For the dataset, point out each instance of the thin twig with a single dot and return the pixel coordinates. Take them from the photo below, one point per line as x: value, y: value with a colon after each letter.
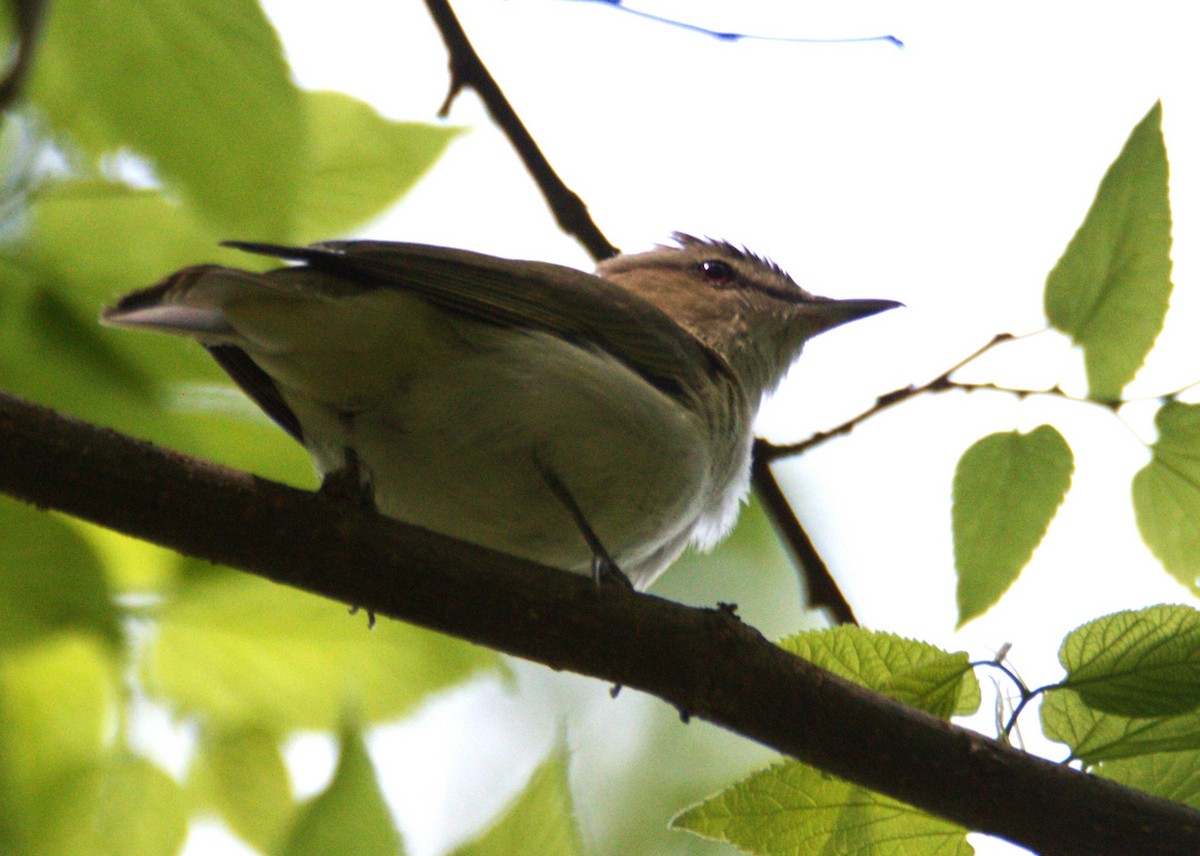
x: 819, y: 583
x: 28, y: 16
x: 941, y: 383
x: 822, y: 589
x: 468, y: 70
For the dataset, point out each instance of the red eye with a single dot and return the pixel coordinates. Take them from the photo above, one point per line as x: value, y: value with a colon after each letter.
x: 716, y: 271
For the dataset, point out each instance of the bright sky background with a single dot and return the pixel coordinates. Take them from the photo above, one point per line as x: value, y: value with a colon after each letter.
x: 949, y: 175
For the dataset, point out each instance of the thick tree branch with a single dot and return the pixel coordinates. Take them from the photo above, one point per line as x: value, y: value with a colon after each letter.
x: 704, y: 662
x: 468, y: 70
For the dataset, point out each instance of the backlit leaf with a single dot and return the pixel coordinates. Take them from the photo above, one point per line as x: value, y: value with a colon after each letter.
x: 1109, y: 291
x: 1166, y: 493
x: 1137, y: 663
x: 1007, y: 488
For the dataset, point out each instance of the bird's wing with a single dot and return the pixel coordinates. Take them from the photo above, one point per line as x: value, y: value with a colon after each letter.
x: 583, y: 309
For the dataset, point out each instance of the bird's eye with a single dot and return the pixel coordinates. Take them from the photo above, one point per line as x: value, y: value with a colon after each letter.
x: 716, y: 271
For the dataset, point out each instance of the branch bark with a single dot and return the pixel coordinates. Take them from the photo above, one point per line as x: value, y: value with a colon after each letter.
x: 705, y: 662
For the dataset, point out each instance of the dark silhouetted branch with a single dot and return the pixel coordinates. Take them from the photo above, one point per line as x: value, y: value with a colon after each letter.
x: 468, y: 70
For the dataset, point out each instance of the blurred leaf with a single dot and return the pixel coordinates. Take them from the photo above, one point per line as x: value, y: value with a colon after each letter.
x: 90, y: 242
x: 360, y: 163
x: 51, y: 581
x: 792, y: 808
x: 1109, y: 291
x: 1171, y: 775
x: 242, y: 776
x: 1007, y: 488
x: 1096, y: 736
x: 915, y: 673
x: 540, y: 822
x: 247, y: 652
x: 131, y: 566
x: 200, y: 88
x: 126, y: 807
x: 1136, y: 663
x: 56, y: 705
x: 100, y: 239
x: 350, y: 816
x: 80, y: 341
x: 1166, y: 493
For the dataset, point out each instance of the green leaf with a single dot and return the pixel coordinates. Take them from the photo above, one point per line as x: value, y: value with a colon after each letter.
x: 945, y: 686
x: 791, y: 808
x: 126, y: 807
x: 51, y: 351
x: 1095, y: 736
x: 100, y: 239
x: 1171, y: 775
x: 1136, y: 663
x: 350, y: 816
x: 360, y: 163
x: 1166, y: 493
x: 540, y: 822
x: 51, y: 580
x: 246, y: 652
x: 913, y: 672
x: 200, y: 88
x: 1007, y: 488
x: 1109, y: 291
x: 57, y: 699
x: 90, y: 241
x: 242, y: 776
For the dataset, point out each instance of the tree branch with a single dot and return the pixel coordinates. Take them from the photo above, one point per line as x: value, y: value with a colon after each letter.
x: 822, y: 590
x: 468, y: 70
x: 28, y: 16
x: 706, y: 663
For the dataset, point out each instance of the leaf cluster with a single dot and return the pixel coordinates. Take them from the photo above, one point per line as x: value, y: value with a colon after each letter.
x: 149, y: 132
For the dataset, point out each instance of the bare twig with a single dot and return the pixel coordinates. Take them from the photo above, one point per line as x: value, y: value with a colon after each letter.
x: 468, y: 70
x: 704, y: 662
x: 941, y: 383
x: 28, y: 16
x: 822, y: 589
x: 819, y: 583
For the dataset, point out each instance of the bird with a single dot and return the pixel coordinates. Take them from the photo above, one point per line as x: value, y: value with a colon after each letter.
x: 597, y: 423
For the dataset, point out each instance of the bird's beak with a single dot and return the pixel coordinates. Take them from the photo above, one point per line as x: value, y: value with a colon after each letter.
x: 825, y: 314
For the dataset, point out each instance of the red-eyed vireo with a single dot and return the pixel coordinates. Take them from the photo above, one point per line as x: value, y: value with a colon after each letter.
x: 569, y: 418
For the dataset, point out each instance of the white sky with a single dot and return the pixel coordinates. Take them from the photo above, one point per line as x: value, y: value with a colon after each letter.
x: 948, y: 175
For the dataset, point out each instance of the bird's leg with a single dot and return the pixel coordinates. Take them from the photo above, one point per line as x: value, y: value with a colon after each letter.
x: 349, y: 484
x: 604, y: 569
x: 352, y: 483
